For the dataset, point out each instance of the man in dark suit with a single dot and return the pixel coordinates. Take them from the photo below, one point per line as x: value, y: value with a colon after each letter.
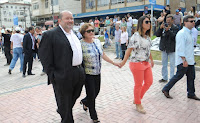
x: 61, y: 56
x: 29, y: 47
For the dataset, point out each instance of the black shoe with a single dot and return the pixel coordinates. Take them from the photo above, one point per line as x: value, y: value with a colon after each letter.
x: 23, y: 76
x: 9, y: 71
x: 6, y: 64
x: 162, y: 80
x: 194, y: 97
x: 96, y: 121
x: 84, y: 107
x: 31, y: 74
x: 117, y: 58
x: 167, y: 94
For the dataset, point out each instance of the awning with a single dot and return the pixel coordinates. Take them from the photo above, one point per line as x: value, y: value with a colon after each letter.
x: 48, y: 23
x: 118, y: 11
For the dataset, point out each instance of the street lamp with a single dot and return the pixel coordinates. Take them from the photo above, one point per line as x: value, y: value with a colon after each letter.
x: 24, y: 16
x: 52, y: 11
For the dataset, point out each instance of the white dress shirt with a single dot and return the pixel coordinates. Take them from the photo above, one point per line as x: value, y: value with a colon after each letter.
x: 76, y: 47
x: 33, y: 41
x: 130, y: 21
x: 124, y: 37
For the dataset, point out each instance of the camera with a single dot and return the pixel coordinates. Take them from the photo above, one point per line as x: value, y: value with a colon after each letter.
x: 166, y: 24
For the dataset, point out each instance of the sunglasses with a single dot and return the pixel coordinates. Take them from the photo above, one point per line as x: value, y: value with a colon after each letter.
x: 90, y: 30
x: 192, y: 21
x: 147, y: 22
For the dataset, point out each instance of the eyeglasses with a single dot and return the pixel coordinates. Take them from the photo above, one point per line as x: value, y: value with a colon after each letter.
x: 192, y: 21
x: 90, y: 30
x: 147, y: 22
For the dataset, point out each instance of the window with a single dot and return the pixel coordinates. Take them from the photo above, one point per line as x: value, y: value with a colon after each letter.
x: 11, y: 7
x: 183, y: 1
x: 55, y: 2
x: 46, y: 3
x: 15, y: 7
x: 129, y: 1
x: 90, y: 4
x: 35, y: 6
x: 21, y: 13
x: 103, y: 2
x: 20, y: 7
x: 4, y: 12
x: 6, y: 6
x: 198, y: 7
x: 117, y: 1
x: 9, y: 13
x: 5, y: 19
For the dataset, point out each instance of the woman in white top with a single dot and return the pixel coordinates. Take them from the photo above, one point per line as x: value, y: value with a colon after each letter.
x: 192, y: 11
x: 118, y: 21
x: 124, y: 40
x: 139, y: 45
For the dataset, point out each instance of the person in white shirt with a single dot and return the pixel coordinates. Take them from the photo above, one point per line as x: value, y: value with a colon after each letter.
x: 123, y: 40
x: 181, y: 13
x: 17, y: 50
x: 61, y: 55
x: 118, y: 21
x: 129, y: 24
x: 81, y: 23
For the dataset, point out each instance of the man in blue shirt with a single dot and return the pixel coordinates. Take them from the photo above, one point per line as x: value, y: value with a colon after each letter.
x: 184, y: 59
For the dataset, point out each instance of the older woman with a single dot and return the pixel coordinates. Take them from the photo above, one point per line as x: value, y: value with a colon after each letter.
x: 139, y: 45
x: 92, y: 57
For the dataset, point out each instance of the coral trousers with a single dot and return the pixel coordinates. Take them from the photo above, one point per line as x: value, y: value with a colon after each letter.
x: 143, y: 78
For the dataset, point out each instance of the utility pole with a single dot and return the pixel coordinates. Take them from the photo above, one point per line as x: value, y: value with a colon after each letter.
x: 52, y: 11
x: 24, y: 16
x: 0, y: 16
x: 30, y: 14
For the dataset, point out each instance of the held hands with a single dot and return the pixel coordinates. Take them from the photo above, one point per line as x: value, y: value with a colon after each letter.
x: 116, y: 64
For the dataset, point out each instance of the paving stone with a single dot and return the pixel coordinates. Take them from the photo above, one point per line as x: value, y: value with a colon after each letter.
x: 31, y: 100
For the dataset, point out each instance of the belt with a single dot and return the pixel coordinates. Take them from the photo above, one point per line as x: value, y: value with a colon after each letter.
x: 78, y: 66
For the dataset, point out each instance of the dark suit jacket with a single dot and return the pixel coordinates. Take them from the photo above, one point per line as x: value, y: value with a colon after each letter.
x: 27, y: 44
x: 55, y: 53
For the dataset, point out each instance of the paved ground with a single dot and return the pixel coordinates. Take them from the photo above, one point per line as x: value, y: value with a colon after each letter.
x: 30, y: 100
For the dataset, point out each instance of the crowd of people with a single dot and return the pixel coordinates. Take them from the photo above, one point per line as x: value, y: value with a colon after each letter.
x: 71, y: 61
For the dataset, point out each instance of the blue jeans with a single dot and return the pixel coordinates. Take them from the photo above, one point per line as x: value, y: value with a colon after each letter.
x: 179, y: 26
x: 181, y: 71
x: 165, y: 64
x: 118, y: 50
x: 129, y: 29
x: 107, y: 43
x: 17, y: 53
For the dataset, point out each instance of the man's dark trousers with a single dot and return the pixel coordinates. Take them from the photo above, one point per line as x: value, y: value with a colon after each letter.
x: 8, y: 54
x: 28, y: 58
x: 64, y: 102
x: 181, y: 71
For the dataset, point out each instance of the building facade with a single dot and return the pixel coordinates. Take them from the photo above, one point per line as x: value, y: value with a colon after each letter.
x: 45, y: 10
x: 92, y: 8
x: 9, y: 10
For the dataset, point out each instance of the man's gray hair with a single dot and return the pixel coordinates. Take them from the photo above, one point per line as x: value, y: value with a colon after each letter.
x: 61, y: 13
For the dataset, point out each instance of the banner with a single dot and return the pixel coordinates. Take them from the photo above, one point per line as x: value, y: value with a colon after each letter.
x: 15, y: 20
x: 153, y: 2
